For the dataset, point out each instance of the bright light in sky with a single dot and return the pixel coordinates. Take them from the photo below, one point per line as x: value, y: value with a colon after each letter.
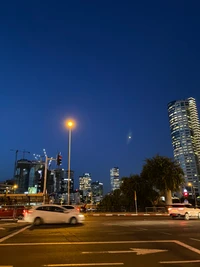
x: 129, y: 137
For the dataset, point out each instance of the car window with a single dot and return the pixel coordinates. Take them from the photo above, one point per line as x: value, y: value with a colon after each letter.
x: 69, y: 207
x: 56, y: 209
x: 44, y: 208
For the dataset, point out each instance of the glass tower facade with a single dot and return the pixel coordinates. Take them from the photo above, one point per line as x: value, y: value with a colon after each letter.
x: 185, y: 134
x: 114, y: 178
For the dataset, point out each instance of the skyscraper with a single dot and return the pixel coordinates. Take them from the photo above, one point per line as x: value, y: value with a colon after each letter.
x: 85, y: 182
x: 97, y: 191
x: 185, y: 134
x: 114, y: 178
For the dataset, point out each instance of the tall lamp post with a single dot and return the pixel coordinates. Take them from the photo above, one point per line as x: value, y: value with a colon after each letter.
x: 69, y: 124
x: 193, y: 193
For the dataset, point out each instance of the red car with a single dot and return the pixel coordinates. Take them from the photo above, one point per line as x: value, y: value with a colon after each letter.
x: 11, y: 212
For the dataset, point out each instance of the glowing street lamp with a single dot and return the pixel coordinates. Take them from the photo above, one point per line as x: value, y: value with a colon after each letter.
x: 69, y: 125
x: 15, y: 186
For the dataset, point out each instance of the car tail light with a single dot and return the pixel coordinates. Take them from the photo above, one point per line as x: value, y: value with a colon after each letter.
x: 78, y: 209
x: 25, y: 212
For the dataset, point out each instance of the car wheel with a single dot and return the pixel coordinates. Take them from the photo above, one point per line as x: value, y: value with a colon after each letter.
x: 37, y: 221
x: 173, y: 217
x: 199, y: 215
x: 73, y: 221
x: 187, y: 217
x: 20, y: 217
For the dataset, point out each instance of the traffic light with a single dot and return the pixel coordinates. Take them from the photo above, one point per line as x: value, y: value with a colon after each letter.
x: 185, y: 194
x: 59, y: 160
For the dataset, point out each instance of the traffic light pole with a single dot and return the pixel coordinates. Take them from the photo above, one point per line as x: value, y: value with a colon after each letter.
x: 45, y: 177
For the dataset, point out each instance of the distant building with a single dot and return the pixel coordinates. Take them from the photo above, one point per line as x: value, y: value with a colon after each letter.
x: 29, y: 174
x: 85, y: 182
x: 61, y: 181
x: 29, y: 177
x: 114, y: 178
x: 85, y: 187
x: 185, y: 134
x: 6, y: 188
x: 97, y: 191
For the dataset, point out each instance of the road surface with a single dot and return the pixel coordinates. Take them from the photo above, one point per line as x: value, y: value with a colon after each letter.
x: 105, y: 241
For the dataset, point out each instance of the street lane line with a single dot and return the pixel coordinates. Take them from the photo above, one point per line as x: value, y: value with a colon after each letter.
x: 179, y: 262
x: 86, y: 264
x: 195, y: 239
x: 138, y: 251
x: 13, y: 234
x: 143, y: 229
x: 165, y: 233
x: 187, y: 246
x: 1, y: 228
x: 88, y: 243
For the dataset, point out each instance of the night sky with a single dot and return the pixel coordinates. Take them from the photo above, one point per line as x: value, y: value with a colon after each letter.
x: 111, y: 65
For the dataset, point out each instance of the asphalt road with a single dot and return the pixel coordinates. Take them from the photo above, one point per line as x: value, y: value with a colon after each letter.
x: 105, y: 241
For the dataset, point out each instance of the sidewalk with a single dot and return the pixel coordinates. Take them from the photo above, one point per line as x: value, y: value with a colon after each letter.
x: 125, y: 214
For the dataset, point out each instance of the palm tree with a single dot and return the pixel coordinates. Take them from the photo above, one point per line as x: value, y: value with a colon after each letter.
x: 164, y: 174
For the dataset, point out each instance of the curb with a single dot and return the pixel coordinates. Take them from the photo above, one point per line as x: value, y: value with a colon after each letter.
x: 126, y: 214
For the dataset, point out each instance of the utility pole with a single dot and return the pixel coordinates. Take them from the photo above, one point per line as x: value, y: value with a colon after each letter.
x: 135, y: 198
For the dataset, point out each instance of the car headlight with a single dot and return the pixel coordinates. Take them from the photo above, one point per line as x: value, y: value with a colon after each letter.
x: 81, y: 215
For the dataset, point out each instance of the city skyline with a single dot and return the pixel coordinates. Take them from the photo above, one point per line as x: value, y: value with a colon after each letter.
x: 114, y: 76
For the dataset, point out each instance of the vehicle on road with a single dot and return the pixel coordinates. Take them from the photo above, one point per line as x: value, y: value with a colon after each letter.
x: 186, y: 211
x: 52, y: 214
x: 71, y: 208
x: 11, y: 212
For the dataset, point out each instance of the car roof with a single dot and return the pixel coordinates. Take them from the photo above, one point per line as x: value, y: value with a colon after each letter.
x: 47, y: 205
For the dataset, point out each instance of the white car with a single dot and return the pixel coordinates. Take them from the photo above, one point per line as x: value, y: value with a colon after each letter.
x: 52, y: 214
x: 71, y: 208
x: 186, y: 211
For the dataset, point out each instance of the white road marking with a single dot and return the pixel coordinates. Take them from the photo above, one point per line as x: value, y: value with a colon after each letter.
x: 144, y: 251
x: 143, y: 229
x: 107, y: 252
x: 13, y: 234
x: 165, y: 233
x: 179, y: 262
x: 1, y: 228
x: 138, y: 251
x: 88, y: 243
x: 187, y: 246
x: 86, y: 264
x: 195, y: 250
x: 195, y: 239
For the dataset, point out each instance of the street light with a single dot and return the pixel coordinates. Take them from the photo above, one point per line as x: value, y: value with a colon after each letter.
x: 69, y: 124
x: 15, y: 186
x: 193, y: 193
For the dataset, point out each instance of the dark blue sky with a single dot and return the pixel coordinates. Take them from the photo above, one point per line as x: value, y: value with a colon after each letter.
x: 112, y: 65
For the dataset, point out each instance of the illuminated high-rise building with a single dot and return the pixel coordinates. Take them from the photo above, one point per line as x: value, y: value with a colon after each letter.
x: 85, y: 187
x: 114, y: 178
x: 185, y: 134
x: 85, y: 182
